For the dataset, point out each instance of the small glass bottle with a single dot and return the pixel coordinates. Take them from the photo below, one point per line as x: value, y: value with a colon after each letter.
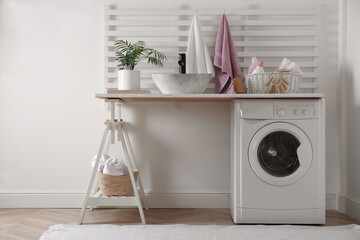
x: 182, y: 63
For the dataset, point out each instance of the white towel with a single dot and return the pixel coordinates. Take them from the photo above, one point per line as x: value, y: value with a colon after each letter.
x: 102, y: 161
x: 115, y: 166
x: 284, y: 63
x: 295, y: 68
x: 197, y: 55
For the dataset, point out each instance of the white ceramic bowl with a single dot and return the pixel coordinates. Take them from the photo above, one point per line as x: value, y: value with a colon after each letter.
x: 172, y: 83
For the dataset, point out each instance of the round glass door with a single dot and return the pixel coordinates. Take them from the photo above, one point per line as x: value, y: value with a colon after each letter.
x: 277, y: 153
x: 280, y: 153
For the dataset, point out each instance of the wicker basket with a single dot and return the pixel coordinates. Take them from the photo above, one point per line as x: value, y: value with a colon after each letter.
x: 256, y: 82
x: 116, y: 185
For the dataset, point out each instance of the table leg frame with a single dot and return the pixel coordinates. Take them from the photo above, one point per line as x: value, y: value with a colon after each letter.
x: 91, y: 201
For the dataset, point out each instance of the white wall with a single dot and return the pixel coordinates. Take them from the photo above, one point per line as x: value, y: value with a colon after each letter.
x: 350, y: 164
x: 51, y: 64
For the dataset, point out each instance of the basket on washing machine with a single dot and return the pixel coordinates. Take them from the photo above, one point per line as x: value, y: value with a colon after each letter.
x: 264, y: 82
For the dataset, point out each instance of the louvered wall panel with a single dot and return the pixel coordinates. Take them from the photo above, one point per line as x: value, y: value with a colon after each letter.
x: 268, y: 34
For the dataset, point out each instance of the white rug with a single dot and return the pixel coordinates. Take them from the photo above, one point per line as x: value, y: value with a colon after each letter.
x: 184, y: 232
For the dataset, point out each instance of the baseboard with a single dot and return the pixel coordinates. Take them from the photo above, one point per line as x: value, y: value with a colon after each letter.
x: 191, y: 200
x: 330, y: 201
x: 155, y: 200
x: 350, y: 206
x: 40, y: 200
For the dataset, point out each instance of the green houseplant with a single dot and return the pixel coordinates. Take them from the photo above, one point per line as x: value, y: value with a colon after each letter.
x: 129, y: 55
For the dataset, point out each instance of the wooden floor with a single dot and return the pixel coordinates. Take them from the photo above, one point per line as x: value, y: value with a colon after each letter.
x: 28, y: 224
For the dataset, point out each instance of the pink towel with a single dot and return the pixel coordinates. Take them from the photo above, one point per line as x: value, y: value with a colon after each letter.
x: 226, y: 62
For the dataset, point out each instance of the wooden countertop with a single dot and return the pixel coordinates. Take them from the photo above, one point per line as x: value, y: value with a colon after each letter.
x: 200, y: 97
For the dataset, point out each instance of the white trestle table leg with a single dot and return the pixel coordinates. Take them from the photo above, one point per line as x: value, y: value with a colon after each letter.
x: 133, y: 181
x: 98, y: 200
x: 106, y: 151
x: 93, y: 175
x: 132, y: 157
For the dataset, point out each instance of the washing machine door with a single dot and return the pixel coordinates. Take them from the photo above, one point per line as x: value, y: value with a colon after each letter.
x: 280, y: 153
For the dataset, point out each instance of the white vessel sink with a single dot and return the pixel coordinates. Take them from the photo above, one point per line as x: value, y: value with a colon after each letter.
x: 172, y: 83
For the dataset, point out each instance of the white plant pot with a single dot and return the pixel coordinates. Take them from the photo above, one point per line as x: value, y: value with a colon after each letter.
x: 128, y: 80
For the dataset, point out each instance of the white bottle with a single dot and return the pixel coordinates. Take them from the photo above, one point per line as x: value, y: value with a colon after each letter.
x: 259, y: 68
x: 253, y: 64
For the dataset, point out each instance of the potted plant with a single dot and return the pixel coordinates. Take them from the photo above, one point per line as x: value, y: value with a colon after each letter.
x: 129, y: 55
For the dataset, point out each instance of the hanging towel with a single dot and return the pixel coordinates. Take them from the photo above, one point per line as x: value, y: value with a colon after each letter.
x: 115, y: 166
x: 197, y: 55
x: 226, y: 62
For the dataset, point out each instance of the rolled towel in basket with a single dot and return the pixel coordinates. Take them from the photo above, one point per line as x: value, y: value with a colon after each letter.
x: 284, y: 63
x: 292, y: 66
x: 102, y: 161
x: 295, y: 68
x: 115, y: 166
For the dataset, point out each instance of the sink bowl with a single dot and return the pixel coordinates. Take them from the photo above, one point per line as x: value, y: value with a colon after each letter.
x: 172, y: 83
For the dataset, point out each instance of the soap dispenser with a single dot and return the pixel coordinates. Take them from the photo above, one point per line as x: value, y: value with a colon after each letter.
x: 182, y: 63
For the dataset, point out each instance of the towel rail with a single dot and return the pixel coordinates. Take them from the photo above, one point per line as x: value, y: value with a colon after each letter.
x: 269, y: 34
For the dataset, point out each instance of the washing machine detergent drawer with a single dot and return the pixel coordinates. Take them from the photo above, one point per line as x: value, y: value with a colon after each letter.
x: 279, y: 109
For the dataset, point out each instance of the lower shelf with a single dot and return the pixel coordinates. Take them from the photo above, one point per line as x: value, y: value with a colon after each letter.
x: 112, y: 201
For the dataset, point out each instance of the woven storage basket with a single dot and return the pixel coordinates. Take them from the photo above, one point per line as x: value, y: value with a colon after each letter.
x: 256, y: 82
x: 116, y: 185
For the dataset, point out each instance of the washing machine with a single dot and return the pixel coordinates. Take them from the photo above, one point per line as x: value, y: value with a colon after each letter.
x: 278, y: 161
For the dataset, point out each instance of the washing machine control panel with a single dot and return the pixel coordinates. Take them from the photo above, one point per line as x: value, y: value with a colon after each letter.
x: 295, y: 109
